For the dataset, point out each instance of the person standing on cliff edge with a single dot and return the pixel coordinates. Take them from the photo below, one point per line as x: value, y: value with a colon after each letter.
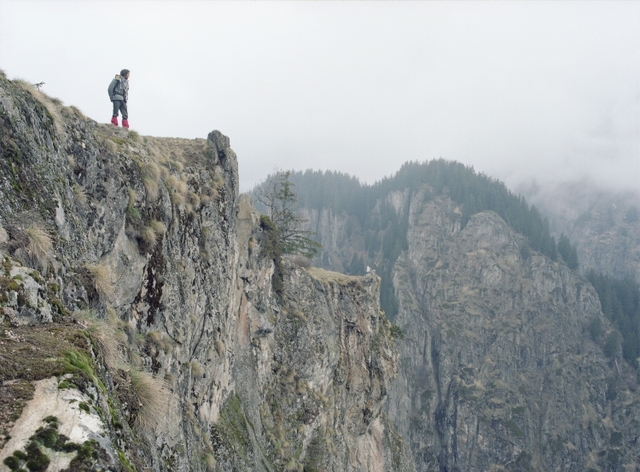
x: 119, y: 94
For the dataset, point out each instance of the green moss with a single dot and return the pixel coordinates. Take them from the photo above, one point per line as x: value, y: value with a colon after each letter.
x: 230, y: 435
x: 46, y: 436
x: 84, y: 406
x: 125, y: 462
x: 79, y: 362
x: 7, y: 284
x: 86, y: 452
x: 12, y: 462
x: 133, y: 213
x: 37, y: 460
x: 57, y: 304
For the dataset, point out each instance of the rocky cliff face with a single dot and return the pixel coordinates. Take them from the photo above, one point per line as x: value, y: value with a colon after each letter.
x: 143, y: 302
x: 497, y: 369
x: 603, y: 225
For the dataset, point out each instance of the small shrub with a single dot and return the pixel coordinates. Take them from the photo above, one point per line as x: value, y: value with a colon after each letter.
x: 396, y: 332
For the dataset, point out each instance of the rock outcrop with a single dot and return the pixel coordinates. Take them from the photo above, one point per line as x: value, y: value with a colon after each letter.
x: 499, y: 368
x: 134, y: 275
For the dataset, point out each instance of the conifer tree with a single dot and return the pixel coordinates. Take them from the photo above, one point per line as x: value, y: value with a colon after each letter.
x: 280, y: 200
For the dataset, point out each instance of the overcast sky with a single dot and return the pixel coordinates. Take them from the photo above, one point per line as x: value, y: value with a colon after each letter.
x: 520, y: 90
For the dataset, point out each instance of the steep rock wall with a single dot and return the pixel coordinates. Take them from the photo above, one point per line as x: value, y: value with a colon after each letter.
x: 156, y: 290
x: 499, y: 368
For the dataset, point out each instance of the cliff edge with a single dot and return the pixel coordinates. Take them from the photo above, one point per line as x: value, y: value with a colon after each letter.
x: 141, y: 325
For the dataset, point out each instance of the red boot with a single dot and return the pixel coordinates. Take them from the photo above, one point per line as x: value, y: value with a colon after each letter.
x: 114, y: 121
x: 125, y: 124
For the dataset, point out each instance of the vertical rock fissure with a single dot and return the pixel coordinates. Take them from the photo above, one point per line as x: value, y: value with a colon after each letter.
x: 440, y: 412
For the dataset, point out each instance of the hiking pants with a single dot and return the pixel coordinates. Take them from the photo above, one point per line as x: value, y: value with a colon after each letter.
x: 120, y: 106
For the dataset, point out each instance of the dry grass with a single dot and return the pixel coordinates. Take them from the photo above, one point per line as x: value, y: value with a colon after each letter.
x: 178, y: 198
x: 80, y: 195
x: 152, y: 397
x: 300, y: 261
x: 148, y: 235
x: 134, y: 136
x: 210, y: 462
x: 53, y: 105
x: 152, y: 188
x: 33, y: 246
x: 40, y: 248
x: 158, y: 227
x: 194, y: 200
x: 151, y: 177
x: 329, y: 276
x: 152, y: 232
x: 176, y: 184
x: 104, y: 332
x: 103, y: 279
x: 196, y: 369
x: 218, y: 181
x: 76, y: 111
x: 158, y: 340
x: 133, y: 197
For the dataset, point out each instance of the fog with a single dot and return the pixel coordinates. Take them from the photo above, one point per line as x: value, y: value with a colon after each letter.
x: 523, y: 91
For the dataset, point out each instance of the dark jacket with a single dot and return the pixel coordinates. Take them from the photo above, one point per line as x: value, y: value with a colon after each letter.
x: 119, y: 89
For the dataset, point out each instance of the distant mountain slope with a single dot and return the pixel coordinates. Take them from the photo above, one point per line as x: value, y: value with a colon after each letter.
x: 604, y: 225
x: 508, y: 362
x: 380, y: 226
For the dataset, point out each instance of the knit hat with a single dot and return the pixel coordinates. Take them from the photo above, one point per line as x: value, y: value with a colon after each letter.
x: 124, y: 72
